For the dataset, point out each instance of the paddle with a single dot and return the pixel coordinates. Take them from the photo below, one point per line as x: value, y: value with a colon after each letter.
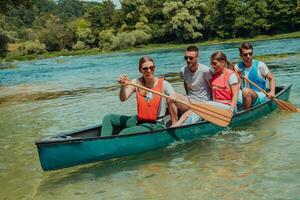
x: 283, y: 105
x: 208, y: 112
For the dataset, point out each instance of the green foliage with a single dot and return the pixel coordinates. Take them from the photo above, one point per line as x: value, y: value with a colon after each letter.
x: 86, y: 36
x: 182, y: 19
x: 28, y: 34
x: 32, y: 47
x: 79, y: 45
x: 5, y: 36
x: 76, y: 24
x: 101, y: 16
x: 70, y: 9
x: 6, y: 4
x: 3, y: 43
x: 134, y: 11
x: 82, y: 24
x: 141, y: 37
x: 156, y: 21
x: 57, y: 36
x: 106, y: 39
x: 123, y: 40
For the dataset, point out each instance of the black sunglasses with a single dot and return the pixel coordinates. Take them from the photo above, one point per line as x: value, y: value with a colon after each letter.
x: 145, y: 69
x: 246, y: 54
x: 189, y: 57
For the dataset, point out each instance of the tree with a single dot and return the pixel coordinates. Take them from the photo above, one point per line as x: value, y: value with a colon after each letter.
x: 101, y: 16
x: 86, y: 36
x: 182, y: 21
x: 4, y: 36
x: 70, y: 9
x: 106, y: 39
x: 133, y: 12
x: 52, y: 35
x: 156, y: 21
x: 283, y: 15
x: 5, y: 4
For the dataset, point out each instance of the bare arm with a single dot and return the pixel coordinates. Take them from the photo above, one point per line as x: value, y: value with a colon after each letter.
x: 185, y: 88
x: 126, y: 90
x: 173, y: 111
x: 272, y: 84
x: 235, y: 93
x: 184, y: 84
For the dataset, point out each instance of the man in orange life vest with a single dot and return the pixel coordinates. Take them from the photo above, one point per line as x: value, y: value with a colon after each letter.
x: 151, y: 108
x: 257, y: 72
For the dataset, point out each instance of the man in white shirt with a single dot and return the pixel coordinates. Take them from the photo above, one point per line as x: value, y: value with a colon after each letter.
x: 196, y: 78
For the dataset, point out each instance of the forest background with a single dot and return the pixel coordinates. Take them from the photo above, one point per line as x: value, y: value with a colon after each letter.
x: 29, y: 28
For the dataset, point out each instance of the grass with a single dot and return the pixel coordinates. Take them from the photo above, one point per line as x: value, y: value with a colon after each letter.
x: 147, y: 47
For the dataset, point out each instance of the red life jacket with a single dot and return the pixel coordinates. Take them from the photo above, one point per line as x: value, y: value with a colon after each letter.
x: 148, y: 106
x: 221, y: 90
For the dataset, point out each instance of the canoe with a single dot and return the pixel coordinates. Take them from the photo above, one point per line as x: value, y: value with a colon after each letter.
x: 86, y: 146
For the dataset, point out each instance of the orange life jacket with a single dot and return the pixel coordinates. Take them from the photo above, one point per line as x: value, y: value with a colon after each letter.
x: 148, y: 103
x: 221, y: 90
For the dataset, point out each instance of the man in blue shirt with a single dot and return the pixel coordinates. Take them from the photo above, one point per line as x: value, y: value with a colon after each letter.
x: 257, y: 72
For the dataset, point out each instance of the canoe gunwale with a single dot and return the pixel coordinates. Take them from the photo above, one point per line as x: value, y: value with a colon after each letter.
x: 67, y: 137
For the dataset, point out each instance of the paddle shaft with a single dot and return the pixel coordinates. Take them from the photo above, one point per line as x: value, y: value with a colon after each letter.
x: 210, y: 113
x: 255, y: 85
x: 283, y: 105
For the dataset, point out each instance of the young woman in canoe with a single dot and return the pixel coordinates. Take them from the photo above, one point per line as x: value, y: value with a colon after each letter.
x: 151, y: 108
x: 224, y: 87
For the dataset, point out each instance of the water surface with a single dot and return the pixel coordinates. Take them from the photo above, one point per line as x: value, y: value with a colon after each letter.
x: 45, y: 97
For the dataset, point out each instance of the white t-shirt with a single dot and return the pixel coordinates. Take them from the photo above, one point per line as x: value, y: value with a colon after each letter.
x: 197, y: 82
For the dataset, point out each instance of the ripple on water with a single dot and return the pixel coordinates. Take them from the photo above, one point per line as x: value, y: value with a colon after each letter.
x: 46, y: 97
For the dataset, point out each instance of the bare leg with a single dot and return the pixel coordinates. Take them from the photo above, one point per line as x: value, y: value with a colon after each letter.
x: 180, y: 106
x: 249, y: 96
x: 182, y: 118
x: 173, y: 111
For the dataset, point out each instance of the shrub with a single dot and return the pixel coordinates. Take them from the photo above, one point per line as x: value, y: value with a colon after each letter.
x: 32, y: 47
x: 141, y: 37
x: 123, y: 41
x: 106, y: 39
x: 79, y: 45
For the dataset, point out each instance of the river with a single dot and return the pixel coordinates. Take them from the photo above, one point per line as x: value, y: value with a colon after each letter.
x: 45, y: 97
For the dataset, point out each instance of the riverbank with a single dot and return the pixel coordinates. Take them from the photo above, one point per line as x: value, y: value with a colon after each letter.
x: 149, y: 47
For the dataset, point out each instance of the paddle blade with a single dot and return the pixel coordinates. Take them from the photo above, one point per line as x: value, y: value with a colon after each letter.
x: 213, y: 114
x: 286, y: 106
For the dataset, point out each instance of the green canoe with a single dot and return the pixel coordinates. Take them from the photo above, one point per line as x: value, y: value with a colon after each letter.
x: 86, y: 146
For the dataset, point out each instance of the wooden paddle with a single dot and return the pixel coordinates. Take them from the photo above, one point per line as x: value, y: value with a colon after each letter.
x: 283, y: 105
x: 208, y: 112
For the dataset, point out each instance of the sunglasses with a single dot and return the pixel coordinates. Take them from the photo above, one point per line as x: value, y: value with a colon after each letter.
x: 146, y: 69
x: 188, y: 57
x: 246, y: 54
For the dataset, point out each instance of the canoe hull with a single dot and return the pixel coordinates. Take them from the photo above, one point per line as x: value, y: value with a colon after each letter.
x: 81, y: 147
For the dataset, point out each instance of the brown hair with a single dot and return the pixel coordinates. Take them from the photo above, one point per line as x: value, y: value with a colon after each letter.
x: 145, y: 59
x: 220, y: 56
x: 193, y: 48
x: 245, y: 45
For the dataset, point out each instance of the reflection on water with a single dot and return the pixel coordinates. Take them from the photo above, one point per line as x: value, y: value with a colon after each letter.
x: 45, y: 97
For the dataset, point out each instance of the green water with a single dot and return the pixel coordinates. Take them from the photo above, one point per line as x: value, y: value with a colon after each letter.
x: 46, y: 97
